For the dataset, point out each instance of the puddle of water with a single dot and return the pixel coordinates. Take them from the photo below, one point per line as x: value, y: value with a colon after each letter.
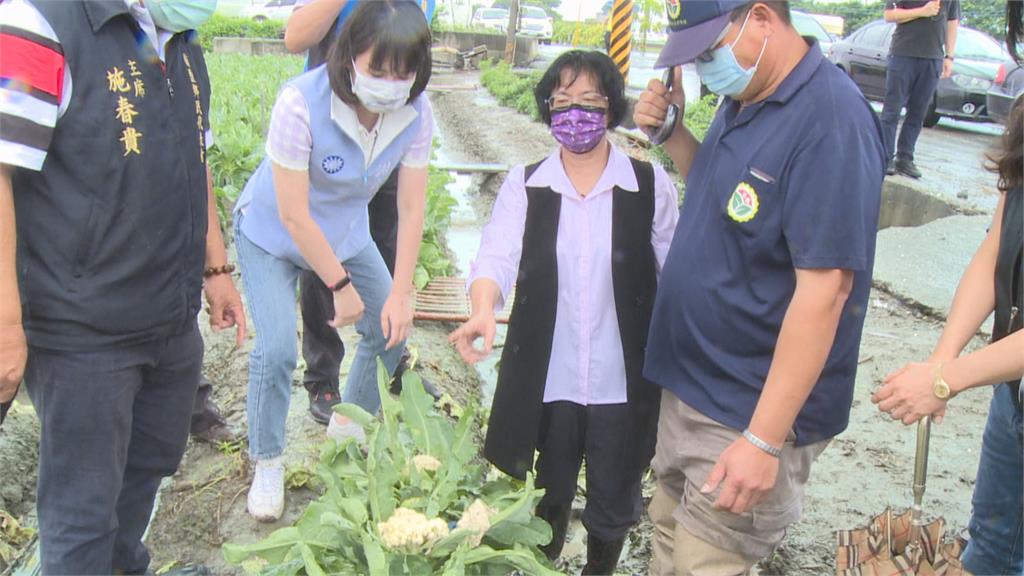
x: 463, y: 238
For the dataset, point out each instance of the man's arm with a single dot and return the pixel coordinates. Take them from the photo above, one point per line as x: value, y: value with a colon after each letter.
x: 903, y: 15
x: 310, y: 23
x: 746, y: 472
x: 952, y: 27
x: 225, y: 303
x: 13, y: 350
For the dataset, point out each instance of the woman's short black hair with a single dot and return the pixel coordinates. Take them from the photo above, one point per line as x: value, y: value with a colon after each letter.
x: 396, y: 31
x: 599, y: 66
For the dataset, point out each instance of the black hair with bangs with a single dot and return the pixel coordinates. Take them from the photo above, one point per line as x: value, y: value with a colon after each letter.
x: 599, y: 66
x: 396, y: 31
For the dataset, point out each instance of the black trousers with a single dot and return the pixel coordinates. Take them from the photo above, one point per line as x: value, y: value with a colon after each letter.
x: 114, y: 423
x: 322, y: 347
x: 909, y: 82
x: 571, y: 432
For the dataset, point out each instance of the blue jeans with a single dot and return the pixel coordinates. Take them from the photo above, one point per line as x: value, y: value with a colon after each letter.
x: 270, y: 287
x: 909, y: 82
x: 997, y: 542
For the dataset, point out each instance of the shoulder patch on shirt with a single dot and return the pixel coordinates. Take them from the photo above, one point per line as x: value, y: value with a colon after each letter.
x: 744, y: 203
x: 333, y: 164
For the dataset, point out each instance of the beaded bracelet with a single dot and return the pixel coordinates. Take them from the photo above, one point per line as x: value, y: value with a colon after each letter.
x: 218, y: 270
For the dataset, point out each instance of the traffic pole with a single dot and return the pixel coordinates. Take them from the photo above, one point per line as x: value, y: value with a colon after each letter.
x: 622, y: 35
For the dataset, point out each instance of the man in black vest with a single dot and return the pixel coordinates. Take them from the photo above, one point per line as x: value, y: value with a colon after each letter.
x: 107, y: 231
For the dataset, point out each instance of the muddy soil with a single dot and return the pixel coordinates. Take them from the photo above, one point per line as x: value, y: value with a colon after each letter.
x: 865, y: 469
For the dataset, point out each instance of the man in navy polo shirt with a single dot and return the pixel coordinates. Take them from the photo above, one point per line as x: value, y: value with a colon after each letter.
x: 762, y: 299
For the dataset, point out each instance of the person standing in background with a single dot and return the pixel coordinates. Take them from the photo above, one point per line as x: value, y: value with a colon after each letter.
x: 921, y: 52
x: 314, y: 26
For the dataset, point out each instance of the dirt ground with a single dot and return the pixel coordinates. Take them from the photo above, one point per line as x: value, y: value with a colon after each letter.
x: 866, y: 469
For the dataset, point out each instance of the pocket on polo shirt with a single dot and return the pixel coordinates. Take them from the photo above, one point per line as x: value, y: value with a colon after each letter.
x: 750, y: 201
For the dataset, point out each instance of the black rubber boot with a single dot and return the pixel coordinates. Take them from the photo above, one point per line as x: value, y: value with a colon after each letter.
x: 557, y: 515
x: 602, y: 555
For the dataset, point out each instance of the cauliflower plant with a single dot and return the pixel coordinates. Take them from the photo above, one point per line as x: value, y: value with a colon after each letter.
x: 426, y: 462
x: 410, y: 531
x: 478, y: 519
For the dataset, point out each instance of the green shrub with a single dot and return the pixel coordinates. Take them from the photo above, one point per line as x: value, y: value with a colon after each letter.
x: 236, y: 27
x: 510, y: 88
x: 418, y: 501
x: 591, y: 34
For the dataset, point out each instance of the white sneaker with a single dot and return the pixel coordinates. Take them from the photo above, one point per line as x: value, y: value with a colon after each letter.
x: 342, y: 432
x: 266, y: 495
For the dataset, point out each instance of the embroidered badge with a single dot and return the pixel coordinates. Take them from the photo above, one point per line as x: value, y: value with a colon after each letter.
x: 743, y: 204
x: 333, y: 164
x: 673, y: 7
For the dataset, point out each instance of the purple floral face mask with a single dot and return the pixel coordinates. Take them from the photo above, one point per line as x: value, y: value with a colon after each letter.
x: 579, y: 129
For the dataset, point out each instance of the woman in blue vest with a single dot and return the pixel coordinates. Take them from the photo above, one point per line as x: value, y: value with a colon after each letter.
x: 583, y: 234
x: 336, y: 133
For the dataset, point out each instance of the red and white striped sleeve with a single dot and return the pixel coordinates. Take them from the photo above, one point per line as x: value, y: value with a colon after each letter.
x: 32, y: 77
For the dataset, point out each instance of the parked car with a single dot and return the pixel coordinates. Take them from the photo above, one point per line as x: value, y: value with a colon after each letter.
x: 490, y: 19
x: 270, y: 10
x: 1007, y: 87
x: 864, y: 54
x: 808, y: 25
x: 535, y: 22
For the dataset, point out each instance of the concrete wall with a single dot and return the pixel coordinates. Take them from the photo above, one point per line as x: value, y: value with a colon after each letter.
x: 248, y: 46
x: 526, y: 48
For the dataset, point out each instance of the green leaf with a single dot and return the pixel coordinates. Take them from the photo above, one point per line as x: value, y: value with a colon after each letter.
x: 273, y: 548
x: 535, y: 533
x: 375, y: 559
x: 455, y: 566
x: 309, y: 562
x: 416, y: 408
x: 519, y: 557
x: 449, y: 543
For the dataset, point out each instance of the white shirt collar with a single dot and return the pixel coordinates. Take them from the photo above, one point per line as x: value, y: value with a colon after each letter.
x: 157, y: 37
x: 389, y: 125
x: 617, y: 172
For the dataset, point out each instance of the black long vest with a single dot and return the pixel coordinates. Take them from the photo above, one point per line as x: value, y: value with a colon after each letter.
x: 518, y: 400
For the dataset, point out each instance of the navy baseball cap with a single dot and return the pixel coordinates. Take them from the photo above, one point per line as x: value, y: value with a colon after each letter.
x: 693, y: 27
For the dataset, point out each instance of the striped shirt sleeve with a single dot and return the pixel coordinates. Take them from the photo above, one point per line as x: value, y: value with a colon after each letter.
x: 31, y: 84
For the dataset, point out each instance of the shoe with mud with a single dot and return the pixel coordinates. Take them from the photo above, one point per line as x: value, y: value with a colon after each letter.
x: 215, y: 434
x: 322, y: 400
x: 907, y: 168
x: 266, y: 494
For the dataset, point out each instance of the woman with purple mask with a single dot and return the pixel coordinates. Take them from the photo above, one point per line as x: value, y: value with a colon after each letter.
x: 582, y: 234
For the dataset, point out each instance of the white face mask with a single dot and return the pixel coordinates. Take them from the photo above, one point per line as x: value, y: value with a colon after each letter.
x: 380, y: 95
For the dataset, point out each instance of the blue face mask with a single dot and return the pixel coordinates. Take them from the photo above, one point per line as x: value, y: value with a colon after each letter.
x: 180, y: 15
x: 723, y: 74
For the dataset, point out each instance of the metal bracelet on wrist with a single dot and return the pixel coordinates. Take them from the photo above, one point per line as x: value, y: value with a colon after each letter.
x: 761, y: 444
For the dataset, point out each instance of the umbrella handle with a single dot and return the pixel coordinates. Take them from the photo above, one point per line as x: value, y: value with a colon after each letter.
x: 920, y: 475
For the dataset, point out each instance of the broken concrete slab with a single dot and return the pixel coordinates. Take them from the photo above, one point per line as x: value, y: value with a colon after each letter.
x: 923, y: 265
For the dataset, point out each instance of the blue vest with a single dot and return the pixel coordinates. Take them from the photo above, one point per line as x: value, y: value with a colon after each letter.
x: 340, y: 183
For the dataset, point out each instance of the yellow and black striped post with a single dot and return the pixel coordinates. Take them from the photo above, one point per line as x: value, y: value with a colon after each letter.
x: 622, y: 35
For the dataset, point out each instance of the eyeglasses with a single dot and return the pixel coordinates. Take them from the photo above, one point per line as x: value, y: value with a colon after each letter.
x: 587, y: 100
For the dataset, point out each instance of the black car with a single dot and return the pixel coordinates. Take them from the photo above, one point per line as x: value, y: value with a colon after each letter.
x: 864, y: 54
x: 1007, y: 87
